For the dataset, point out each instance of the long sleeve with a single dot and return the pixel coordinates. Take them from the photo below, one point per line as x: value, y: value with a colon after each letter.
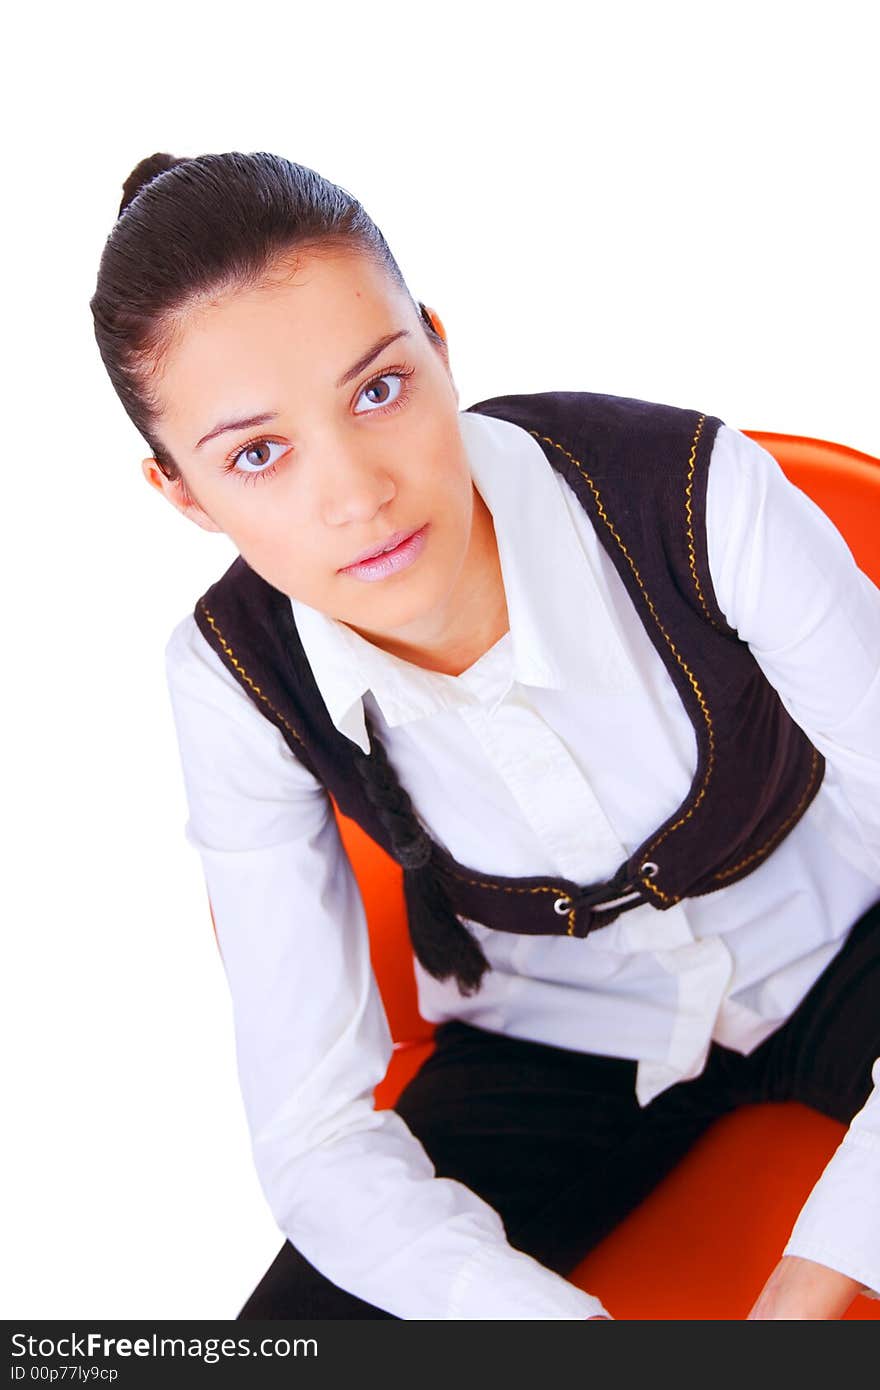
x: 785, y: 578
x: 349, y: 1185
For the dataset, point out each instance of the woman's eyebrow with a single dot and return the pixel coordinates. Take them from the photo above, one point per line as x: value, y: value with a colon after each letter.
x: 379, y: 346
x: 244, y: 424
x: 364, y: 361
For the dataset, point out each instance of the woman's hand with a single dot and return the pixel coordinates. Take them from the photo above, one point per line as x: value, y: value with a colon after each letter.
x: 800, y: 1288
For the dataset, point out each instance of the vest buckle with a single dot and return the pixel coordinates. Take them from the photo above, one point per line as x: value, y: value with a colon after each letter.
x: 564, y: 904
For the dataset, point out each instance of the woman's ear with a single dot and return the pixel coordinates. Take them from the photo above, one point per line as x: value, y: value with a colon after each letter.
x: 175, y: 491
x: 433, y: 319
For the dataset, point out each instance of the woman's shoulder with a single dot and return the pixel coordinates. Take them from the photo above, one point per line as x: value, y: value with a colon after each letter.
x: 199, y: 678
x: 217, y: 722
x: 191, y: 660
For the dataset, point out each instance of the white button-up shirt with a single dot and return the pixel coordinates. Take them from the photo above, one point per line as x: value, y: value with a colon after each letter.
x: 557, y: 752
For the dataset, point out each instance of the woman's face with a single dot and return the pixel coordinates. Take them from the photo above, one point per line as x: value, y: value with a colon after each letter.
x: 358, y: 441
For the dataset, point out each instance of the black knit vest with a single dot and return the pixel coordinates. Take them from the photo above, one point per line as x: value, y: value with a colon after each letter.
x: 640, y: 470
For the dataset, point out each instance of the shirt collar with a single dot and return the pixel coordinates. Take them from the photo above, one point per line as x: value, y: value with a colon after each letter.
x: 561, y: 633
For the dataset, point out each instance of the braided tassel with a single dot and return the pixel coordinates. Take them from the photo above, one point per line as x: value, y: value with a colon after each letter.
x: 442, y: 944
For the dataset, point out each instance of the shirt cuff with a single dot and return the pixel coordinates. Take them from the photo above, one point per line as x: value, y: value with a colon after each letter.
x: 839, y: 1224
x: 505, y: 1283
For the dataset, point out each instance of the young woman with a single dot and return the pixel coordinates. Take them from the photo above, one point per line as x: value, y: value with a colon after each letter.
x: 615, y: 711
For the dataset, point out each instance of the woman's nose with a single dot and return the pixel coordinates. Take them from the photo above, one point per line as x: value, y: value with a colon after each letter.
x: 355, y: 489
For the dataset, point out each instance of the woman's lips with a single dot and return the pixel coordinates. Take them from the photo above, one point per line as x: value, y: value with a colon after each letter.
x: 390, y: 561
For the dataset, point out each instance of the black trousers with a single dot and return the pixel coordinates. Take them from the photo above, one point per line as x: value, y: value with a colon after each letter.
x: 557, y: 1143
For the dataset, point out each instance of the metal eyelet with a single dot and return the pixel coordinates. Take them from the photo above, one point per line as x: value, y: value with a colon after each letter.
x: 562, y: 906
x: 649, y: 868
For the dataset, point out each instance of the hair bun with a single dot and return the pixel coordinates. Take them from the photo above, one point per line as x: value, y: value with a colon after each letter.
x: 143, y: 173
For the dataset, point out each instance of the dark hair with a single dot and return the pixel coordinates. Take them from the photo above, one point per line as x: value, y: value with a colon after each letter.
x: 189, y: 230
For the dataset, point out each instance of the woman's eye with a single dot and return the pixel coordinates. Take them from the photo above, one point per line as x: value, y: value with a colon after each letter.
x: 377, y: 385
x: 253, y: 457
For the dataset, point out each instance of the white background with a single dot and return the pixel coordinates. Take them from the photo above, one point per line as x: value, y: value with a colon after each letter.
x: 675, y: 201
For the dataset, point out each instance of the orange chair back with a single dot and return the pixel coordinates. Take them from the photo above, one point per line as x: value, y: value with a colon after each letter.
x: 842, y: 481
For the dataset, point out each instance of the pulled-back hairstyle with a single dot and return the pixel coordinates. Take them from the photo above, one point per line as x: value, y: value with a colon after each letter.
x: 190, y: 230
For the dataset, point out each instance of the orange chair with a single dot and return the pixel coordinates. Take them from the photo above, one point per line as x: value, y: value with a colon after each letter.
x: 682, y: 1254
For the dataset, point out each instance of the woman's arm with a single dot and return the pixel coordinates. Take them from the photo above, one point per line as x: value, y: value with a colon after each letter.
x: 800, y: 1289
x: 785, y: 578
x: 350, y: 1186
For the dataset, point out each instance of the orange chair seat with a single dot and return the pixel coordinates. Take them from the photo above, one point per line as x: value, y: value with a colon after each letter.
x: 684, y: 1254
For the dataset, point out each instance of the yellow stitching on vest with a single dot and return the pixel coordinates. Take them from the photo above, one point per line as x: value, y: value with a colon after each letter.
x: 238, y: 666
x: 646, y: 882
x: 814, y: 765
x: 692, y: 558
x: 504, y: 887
x: 710, y: 761
x: 512, y: 888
